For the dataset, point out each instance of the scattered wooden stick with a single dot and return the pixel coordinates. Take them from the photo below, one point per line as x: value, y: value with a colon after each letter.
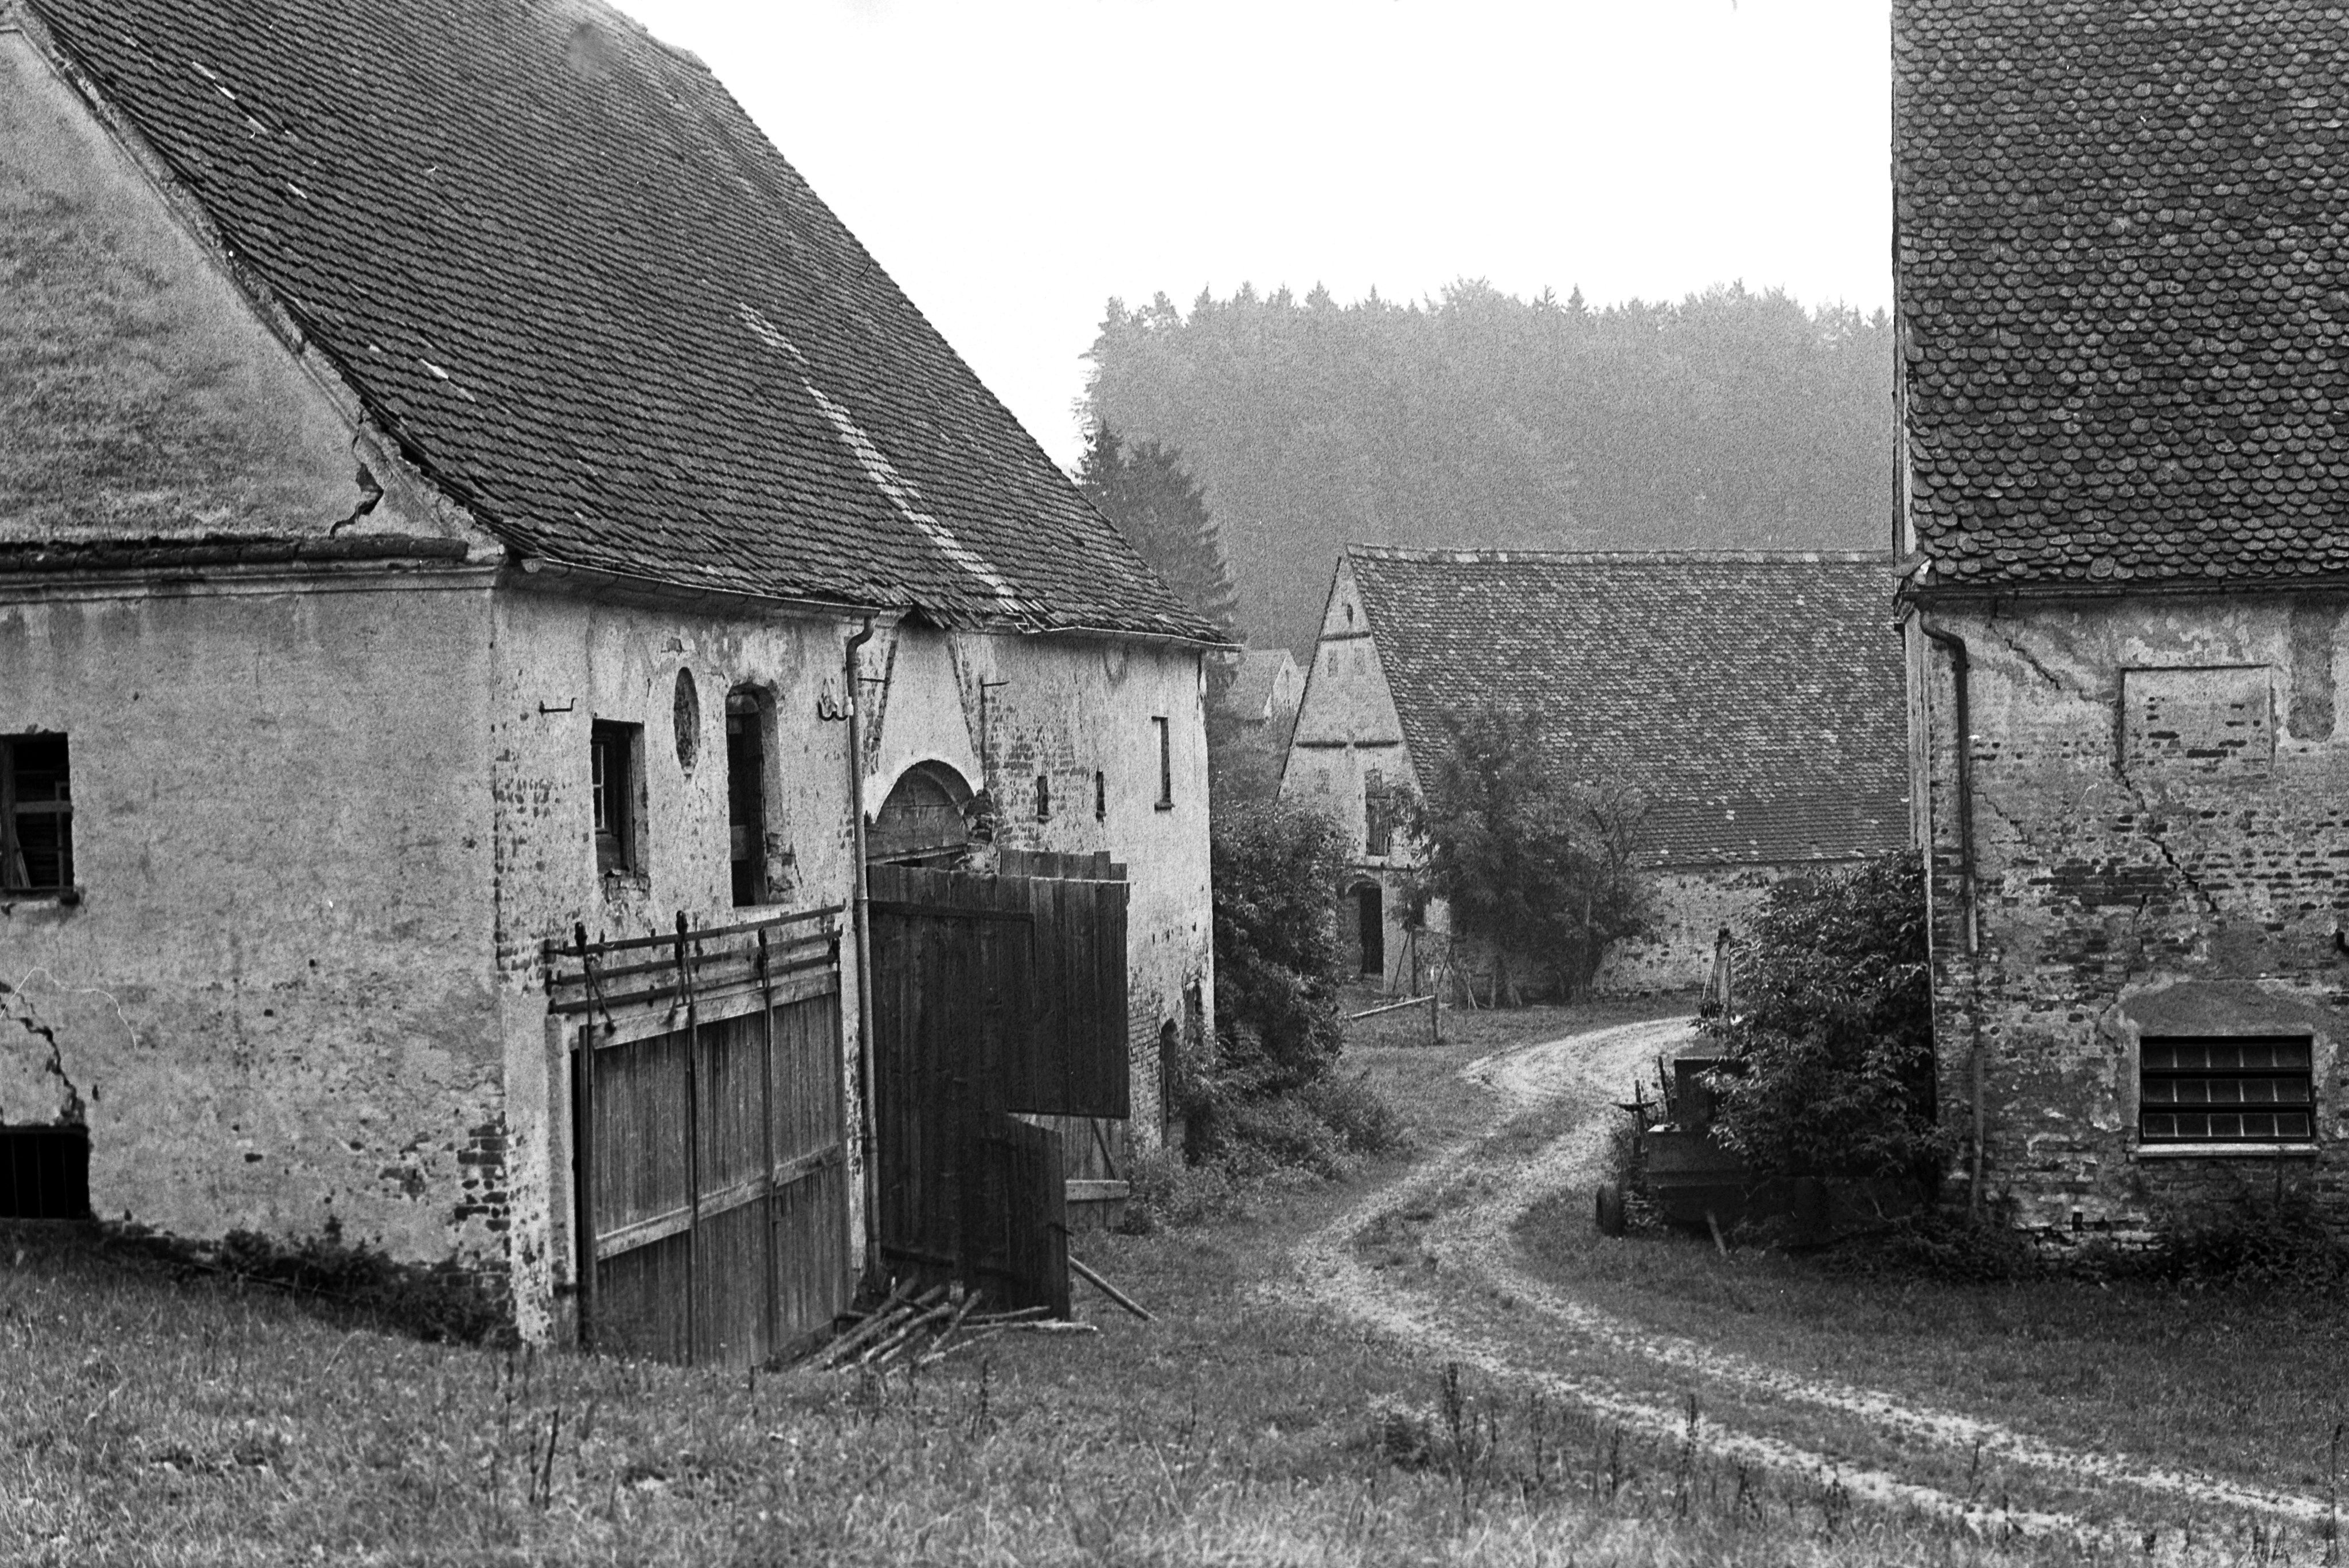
x: 888, y: 1350
x: 1111, y: 1291
x: 961, y: 1311
x: 885, y: 1320
x: 1021, y: 1316
x: 1051, y: 1327
x: 866, y: 1330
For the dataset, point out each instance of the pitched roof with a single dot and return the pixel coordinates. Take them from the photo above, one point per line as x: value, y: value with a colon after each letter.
x: 2122, y: 233
x: 559, y: 263
x: 1754, y: 699
x: 1251, y: 689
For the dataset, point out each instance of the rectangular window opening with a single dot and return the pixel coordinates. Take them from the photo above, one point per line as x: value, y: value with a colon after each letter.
x: 613, y: 751
x: 749, y: 714
x: 1378, y: 838
x: 1165, y: 764
x: 2240, y: 1089
x: 36, y: 814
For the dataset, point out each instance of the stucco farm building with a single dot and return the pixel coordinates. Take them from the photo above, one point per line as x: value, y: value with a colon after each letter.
x: 446, y: 547
x: 1751, y: 700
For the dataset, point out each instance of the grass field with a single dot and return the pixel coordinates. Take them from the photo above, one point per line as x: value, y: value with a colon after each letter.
x: 151, y: 1420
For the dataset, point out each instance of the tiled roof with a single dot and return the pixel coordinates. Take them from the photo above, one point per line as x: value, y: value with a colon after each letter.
x: 2123, y: 259
x: 563, y: 269
x: 1755, y: 700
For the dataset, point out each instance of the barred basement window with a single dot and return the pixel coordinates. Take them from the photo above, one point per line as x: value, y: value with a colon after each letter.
x: 36, y: 815
x: 2244, y: 1089
x: 44, y: 1173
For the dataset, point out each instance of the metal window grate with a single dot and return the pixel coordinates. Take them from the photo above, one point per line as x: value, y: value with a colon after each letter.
x: 2254, y: 1088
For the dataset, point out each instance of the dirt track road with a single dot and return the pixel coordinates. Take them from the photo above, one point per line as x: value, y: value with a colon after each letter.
x: 1477, y: 1304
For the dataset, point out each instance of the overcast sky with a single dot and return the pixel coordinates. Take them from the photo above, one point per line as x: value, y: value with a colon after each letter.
x: 1013, y: 163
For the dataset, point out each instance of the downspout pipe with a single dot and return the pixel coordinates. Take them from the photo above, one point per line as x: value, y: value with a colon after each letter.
x: 1960, y: 671
x: 861, y: 918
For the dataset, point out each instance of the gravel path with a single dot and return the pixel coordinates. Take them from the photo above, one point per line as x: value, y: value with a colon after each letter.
x: 1494, y: 1178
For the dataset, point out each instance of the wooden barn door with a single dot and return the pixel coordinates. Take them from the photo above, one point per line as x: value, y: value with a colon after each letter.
x: 992, y: 994
x: 710, y: 1138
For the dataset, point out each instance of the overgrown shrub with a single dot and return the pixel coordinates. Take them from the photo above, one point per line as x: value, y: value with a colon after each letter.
x: 1360, y: 1115
x: 1265, y: 1106
x: 351, y: 1282
x: 2279, y: 1246
x: 1277, y: 868
x: 1945, y: 1248
x: 1832, y: 1070
x: 1165, y: 1191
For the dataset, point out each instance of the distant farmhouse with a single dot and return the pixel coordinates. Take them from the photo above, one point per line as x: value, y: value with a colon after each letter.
x: 2120, y: 241
x: 483, y: 550
x: 1752, y: 699
x: 1266, y: 689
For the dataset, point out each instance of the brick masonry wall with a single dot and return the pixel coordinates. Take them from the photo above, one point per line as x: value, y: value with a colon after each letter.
x: 2161, y: 829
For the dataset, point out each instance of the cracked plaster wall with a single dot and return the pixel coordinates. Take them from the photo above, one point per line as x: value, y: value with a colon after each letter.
x: 1066, y: 707
x: 272, y: 1006
x: 2161, y: 816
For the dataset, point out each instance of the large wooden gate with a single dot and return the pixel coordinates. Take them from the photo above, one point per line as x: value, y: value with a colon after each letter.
x: 992, y: 994
x: 709, y: 1138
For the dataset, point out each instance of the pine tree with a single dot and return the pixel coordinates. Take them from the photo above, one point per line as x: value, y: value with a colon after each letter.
x: 1164, y: 514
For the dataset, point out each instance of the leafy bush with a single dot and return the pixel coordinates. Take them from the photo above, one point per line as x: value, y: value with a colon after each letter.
x: 1277, y: 868
x: 1832, y: 1071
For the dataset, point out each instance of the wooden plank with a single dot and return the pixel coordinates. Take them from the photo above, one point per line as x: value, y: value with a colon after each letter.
x: 677, y: 987
x: 583, y: 1183
x: 638, y: 943
x: 644, y: 1233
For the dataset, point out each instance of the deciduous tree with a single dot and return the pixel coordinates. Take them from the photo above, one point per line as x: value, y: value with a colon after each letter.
x: 1529, y: 859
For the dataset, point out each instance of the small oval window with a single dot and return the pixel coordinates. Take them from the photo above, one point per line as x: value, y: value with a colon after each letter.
x: 688, y: 719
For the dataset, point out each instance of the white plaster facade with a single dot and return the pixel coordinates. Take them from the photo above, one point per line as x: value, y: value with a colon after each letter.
x: 331, y: 796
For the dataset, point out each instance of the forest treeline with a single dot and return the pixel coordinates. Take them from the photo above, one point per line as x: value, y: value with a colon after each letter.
x: 1731, y: 419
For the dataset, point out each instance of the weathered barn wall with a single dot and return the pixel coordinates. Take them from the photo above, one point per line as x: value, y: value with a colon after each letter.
x: 2161, y: 826
x: 1691, y: 908
x: 1066, y: 707
x: 273, y: 1002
